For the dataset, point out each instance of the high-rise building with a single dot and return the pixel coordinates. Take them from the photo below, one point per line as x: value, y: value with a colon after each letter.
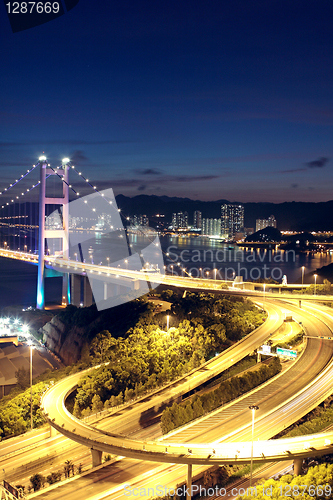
x: 211, y: 227
x: 174, y: 220
x: 262, y: 223
x: 232, y: 220
x: 140, y: 220
x: 180, y: 220
x: 197, y: 219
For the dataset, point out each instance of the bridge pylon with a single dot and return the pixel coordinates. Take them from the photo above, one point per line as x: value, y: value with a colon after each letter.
x: 62, y: 172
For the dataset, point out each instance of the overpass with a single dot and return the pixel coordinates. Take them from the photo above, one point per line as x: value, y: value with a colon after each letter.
x: 193, y: 453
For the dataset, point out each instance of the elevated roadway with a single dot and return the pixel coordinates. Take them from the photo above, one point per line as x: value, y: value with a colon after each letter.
x: 130, y: 276
x: 204, y: 453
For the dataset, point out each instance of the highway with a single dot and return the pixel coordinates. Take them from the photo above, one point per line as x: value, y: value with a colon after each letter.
x: 53, y: 451
x: 282, y: 451
x: 115, y: 274
x: 316, y: 328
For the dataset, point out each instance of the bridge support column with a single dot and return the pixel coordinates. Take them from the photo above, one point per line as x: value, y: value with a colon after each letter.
x: 65, y: 290
x: 258, y: 357
x: 96, y: 457
x: 87, y: 293
x: 189, y: 482
x: 53, y: 431
x: 76, y: 289
x: 298, y: 462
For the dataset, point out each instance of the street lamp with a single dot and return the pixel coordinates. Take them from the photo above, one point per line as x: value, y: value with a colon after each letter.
x: 30, y: 346
x: 303, y: 274
x: 108, y: 259
x: 253, y: 408
x: 168, y: 319
x: 215, y: 273
x: 315, y: 277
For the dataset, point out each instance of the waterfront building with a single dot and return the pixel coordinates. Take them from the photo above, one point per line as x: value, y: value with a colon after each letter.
x: 180, y: 220
x: 232, y: 220
x: 263, y: 223
x: 197, y: 219
x: 140, y: 220
x: 211, y: 227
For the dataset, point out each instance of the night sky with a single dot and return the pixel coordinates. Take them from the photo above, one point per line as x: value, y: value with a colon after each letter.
x: 201, y: 99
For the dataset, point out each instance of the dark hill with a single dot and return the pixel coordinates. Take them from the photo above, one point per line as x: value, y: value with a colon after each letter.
x: 290, y: 216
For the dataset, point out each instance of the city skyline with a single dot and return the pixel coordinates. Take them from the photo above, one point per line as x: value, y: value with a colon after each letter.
x: 226, y: 101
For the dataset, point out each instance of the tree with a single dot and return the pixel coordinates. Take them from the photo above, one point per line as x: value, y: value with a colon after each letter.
x: 54, y: 477
x: 23, y: 378
x: 97, y: 404
x: 37, y: 481
x: 76, y: 410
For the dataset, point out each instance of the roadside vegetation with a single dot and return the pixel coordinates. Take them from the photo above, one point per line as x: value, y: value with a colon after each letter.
x: 142, y: 357
x: 324, y: 289
x: 180, y: 414
x: 202, y: 326
x: 317, y: 483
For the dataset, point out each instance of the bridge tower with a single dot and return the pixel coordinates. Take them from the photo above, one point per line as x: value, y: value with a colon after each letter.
x: 63, y: 233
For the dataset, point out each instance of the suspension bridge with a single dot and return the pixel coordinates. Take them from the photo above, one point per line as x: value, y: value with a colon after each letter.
x: 58, y: 233
x: 49, y: 224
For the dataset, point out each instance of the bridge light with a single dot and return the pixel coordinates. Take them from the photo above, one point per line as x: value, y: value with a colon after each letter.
x: 65, y: 161
x: 41, y: 158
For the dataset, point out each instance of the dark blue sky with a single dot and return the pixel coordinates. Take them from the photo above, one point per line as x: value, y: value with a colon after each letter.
x: 204, y: 99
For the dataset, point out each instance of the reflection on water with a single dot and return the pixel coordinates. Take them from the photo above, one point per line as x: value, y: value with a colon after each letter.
x: 197, y: 256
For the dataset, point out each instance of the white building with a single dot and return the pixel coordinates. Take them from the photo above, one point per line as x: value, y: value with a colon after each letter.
x: 262, y: 223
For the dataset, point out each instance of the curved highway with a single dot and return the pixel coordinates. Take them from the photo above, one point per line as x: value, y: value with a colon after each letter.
x: 319, y: 351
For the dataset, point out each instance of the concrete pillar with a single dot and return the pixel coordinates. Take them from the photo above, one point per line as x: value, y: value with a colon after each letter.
x: 65, y: 290
x: 189, y: 482
x: 136, y: 285
x: 87, y: 293
x: 96, y: 457
x: 53, y: 431
x: 105, y: 291
x: 298, y: 462
x: 41, y: 237
x: 76, y: 289
x: 258, y: 357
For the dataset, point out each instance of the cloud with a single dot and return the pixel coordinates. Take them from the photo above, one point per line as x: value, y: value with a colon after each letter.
x: 294, y: 186
x: 320, y: 163
x: 292, y: 170
x: 67, y: 142
x: 142, y: 187
x: 148, y: 171
x: 78, y: 156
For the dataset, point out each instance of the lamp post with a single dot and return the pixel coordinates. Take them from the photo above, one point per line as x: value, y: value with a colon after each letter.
x: 303, y: 274
x: 108, y: 259
x: 253, y: 408
x: 168, y: 319
x: 215, y: 273
x: 30, y: 346
x: 315, y: 277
